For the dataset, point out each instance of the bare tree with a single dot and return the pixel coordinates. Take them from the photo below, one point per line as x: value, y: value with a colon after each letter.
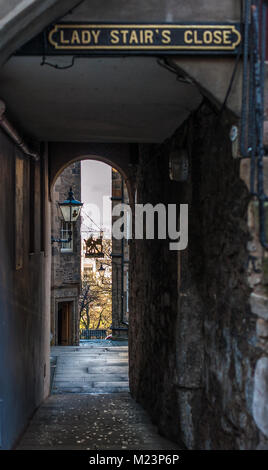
x: 95, y: 303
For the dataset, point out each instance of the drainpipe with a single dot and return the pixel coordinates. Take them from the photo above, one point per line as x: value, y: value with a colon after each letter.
x: 122, y: 261
x: 122, y: 256
x: 14, y: 135
x: 123, y: 266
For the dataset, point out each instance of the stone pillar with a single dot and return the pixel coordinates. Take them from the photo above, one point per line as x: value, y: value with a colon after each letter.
x: 120, y: 260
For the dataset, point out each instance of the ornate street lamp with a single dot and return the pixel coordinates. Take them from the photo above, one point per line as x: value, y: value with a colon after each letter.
x: 70, y: 210
x: 101, y: 271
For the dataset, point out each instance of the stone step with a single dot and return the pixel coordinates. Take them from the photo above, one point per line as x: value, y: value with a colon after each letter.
x: 94, y: 361
x: 100, y: 370
x: 90, y: 390
x: 87, y: 369
x: 91, y: 384
x: 93, y: 377
x: 85, y: 349
x: 91, y: 371
x: 105, y: 360
x: 94, y: 370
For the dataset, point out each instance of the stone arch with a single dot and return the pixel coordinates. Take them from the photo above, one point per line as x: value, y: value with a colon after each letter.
x: 115, y: 155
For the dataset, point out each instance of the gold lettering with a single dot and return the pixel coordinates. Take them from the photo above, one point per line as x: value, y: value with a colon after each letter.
x: 187, y: 39
x: 114, y: 35
x: 196, y: 40
x: 95, y: 35
x: 124, y: 33
x: 75, y: 38
x: 133, y: 37
x: 208, y: 38
x: 226, y: 37
x: 86, y: 37
x: 166, y: 36
x: 62, y: 40
x: 141, y: 36
x: 148, y: 36
x: 218, y: 37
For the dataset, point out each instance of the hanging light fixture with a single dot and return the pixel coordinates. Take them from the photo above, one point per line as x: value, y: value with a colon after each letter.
x: 70, y: 210
x: 101, y: 271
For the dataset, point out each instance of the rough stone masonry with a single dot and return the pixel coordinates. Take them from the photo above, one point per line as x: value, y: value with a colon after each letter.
x: 198, y: 363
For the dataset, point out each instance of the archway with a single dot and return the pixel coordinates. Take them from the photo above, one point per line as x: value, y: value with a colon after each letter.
x: 89, y: 288
x: 85, y: 240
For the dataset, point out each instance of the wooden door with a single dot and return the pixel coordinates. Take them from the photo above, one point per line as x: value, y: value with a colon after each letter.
x: 63, y: 323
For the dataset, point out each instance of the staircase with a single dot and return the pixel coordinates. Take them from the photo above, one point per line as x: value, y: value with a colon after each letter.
x: 93, y: 369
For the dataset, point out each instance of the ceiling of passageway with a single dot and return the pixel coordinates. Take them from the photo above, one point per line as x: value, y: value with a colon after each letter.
x: 127, y: 99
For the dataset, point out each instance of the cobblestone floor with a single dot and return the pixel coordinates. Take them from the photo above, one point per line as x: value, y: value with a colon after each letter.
x: 102, y: 416
x: 92, y: 422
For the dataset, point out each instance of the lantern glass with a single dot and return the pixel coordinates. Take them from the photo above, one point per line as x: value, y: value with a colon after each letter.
x: 65, y: 210
x: 101, y: 271
x: 76, y: 212
x: 70, y: 208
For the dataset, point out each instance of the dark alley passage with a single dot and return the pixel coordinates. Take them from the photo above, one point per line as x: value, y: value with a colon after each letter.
x: 101, y: 415
x: 92, y: 422
x: 134, y: 213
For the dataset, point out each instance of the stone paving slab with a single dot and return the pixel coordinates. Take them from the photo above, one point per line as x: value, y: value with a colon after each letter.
x: 92, y: 422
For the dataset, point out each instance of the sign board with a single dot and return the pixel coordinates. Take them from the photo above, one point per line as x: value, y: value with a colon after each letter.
x: 86, y: 39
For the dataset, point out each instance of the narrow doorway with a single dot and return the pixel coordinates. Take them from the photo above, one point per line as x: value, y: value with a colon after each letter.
x: 63, y: 323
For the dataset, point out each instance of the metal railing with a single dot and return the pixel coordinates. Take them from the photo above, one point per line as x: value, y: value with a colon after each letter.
x: 93, y: 334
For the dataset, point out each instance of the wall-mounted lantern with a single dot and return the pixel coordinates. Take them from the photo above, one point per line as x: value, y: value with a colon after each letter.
x: 101, y: 271
x: 70, y: 210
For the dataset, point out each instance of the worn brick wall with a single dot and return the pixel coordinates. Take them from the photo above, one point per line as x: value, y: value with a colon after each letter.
x: 193, y: 342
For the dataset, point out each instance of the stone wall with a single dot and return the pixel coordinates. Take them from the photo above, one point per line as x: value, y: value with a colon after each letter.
x: 193, y: 341
x: 66, y: 266
x: 153, y: 302
x: 24, y: 289
x: 258, y: 281
x: 120, y: 260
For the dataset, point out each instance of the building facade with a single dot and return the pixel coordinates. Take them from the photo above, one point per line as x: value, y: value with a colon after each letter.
x: 65, y: 269
x: 120, y: 263
x: 71, y: 264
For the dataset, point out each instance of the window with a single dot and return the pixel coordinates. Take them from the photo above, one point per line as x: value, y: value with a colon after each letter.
x: 65, y: 228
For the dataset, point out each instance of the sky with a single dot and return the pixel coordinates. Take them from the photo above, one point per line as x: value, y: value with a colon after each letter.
x: 96, y: 187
